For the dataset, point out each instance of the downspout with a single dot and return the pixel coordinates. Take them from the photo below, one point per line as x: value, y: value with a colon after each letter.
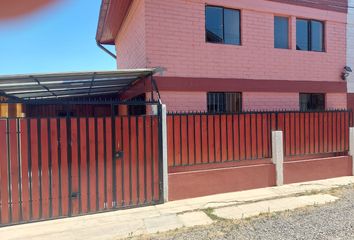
x: 106, y: 50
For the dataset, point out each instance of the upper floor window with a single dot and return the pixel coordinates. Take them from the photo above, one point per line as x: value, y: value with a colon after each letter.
x: 309, y: 35
x: 281, y: 32
x: 312, y: 102
x: 222, y: 25
x: 224, y: 102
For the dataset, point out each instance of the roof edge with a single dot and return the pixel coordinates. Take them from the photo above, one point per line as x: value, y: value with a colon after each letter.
x: 111, y: 18
x: 154, y: 70
x: 102, y: 20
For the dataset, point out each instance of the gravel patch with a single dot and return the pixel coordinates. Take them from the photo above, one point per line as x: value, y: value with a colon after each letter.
x: 333, y: 222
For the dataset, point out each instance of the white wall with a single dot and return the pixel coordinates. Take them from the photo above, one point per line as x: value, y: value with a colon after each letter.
x: 350, y: 45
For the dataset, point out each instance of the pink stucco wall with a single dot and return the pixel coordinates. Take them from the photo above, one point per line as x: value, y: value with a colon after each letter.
x: 185, y: 101
x: 257, y: 101
x: 336, y: 101
x: 254, y: 101
x: 175, y: 38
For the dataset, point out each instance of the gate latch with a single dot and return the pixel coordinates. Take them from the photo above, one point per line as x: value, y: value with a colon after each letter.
x: 119, y: 154
x: 74, y: 194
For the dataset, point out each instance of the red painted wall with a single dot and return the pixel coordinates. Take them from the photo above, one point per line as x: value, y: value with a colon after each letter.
x: 316, y: 169
x: 213, y: 181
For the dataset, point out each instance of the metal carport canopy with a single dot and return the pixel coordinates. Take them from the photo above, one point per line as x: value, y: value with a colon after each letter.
x: 71, y: 84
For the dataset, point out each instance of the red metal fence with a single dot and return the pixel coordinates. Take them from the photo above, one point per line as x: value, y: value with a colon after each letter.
x: 59, y: 167
x: 214, y: 138
x: 201, y: 138
x: 309, y: 133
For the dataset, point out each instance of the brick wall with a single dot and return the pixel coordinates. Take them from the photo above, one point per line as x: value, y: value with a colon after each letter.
x: 131, y: 39
x: 175, y: 39
x: 184, y: 101
x: 336, y: 101
x: 270, y: 101
x: 251, y: 101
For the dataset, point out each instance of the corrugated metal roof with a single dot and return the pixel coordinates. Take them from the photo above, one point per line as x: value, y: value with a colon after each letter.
x: 71, y: 84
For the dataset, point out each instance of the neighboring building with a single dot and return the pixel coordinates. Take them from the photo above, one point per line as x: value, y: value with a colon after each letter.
x: 350, y: 53
x: 233, y: 55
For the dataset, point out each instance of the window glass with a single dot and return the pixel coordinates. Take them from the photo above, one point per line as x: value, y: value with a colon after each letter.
x: 222, y: 25
x: 214, y: 24
x: 224, y: 102
x: 309, y: 35
x: 302, y: 35
x: 312, y: 102
x: 232, y: 26
x: 316, y: 36
x: 281, y: 32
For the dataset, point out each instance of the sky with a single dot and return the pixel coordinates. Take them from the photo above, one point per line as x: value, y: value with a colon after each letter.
x: 59, y: 38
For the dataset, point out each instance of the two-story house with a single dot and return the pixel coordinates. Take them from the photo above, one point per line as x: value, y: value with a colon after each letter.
x: 233, y: 55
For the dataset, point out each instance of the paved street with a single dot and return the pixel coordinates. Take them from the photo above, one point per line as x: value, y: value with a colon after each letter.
x: 332, y: 221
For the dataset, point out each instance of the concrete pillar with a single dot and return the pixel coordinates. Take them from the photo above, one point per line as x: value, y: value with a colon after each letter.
x: 123, y: 110
x: 278, y: 156
x: 164, y: 152
x: 351, y: 146
x: 4, y: 110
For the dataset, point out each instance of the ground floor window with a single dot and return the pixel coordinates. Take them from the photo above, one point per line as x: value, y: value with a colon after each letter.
x: 224, y: 102
x: 312, y: 101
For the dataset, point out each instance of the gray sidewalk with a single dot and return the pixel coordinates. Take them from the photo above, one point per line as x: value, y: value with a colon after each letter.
x: 178, y: 214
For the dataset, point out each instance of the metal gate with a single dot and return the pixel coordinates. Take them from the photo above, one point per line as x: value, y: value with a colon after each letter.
x: 60, y: 167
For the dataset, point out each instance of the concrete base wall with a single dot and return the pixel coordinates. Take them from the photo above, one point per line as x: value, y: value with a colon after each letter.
x: 191, y: 184
x: 203, y: 181
x: 316, y: 169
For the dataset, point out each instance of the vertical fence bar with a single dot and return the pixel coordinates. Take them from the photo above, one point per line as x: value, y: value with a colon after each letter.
x: 24, y: 169
x: 45, y: 185
x: 105, y: 205
x: 123, y: 165
x: 113, y: 157
x: 40, y: 166
x: 78, y: 145
x: 59, y: 167
x: 88, y: 160
x: 96, y: 164
x: 152, y: 158
x: 19, y: 163
x: 145, y: 159
x: 9, y: 170
x: 50, y: 164
x: 5, y: 199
